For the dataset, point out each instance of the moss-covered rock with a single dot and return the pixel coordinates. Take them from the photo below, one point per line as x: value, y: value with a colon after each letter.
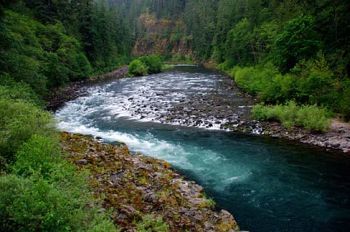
x: 134, y: 186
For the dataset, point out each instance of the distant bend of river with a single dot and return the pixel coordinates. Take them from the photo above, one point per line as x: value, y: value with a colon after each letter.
x: 268, y: 185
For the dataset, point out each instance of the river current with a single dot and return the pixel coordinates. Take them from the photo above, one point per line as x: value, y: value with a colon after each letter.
x: 268, y: 185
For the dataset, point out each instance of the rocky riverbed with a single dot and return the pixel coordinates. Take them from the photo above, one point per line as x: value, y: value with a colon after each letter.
x: 202, y: 99
x: 132, y: 186
x: 73, y: 90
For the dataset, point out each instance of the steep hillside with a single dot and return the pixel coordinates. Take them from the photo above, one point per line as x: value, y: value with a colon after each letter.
x: 161, y: 36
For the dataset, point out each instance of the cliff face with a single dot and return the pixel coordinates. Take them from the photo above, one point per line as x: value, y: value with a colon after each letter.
x: 161, y: 36
x: 133, y: 186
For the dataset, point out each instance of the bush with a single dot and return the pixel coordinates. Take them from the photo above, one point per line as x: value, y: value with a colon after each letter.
x: 256, y: 80
x: 310, y: 117
x: 137, y: 68
x: 12, y: 90
x: 151, y: 223
x: 310, y: 82
x: 35, y: 204
x: 280, y: 89
x: 153, y: 62
x: 47, y: 193
x: 39, y: 155
x: 317, y: 84
x: 146, y: 65
x: 18, y: 122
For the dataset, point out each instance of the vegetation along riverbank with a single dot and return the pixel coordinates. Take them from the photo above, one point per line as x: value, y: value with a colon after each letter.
x: 289, y: 59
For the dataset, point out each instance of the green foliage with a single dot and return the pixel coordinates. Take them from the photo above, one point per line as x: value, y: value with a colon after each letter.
x: 146, y: 65
x: 100, y: 28
x: 47, y: 193
x: 238, y: 42
x: 18, y: 122
x: 42, y: 56
x: 107, y: 37
x: 258, y: 80
x: 137, y: 68
x: 200, y: 17
x: 297, y: 41
x: 310, y: 117
x: 36, y: 204
x: 10, y: 89
x: 178, y: 58
x: 150, y: 223
x: 310, y: 82
x: 39, y: 155
x: 153, y: 63
x: 316, y: 82
x: 343, y: 104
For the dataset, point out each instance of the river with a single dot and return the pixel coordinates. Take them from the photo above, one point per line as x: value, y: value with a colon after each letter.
x: 267, y: 184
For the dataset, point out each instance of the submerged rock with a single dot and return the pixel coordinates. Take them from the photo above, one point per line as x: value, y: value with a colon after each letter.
x: 132, y: 186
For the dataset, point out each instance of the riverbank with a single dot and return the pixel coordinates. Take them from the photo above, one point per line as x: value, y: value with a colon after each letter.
x: 132, y: 186
x: 73, y: 90
x: 336, y: 138
x: 224, y: 107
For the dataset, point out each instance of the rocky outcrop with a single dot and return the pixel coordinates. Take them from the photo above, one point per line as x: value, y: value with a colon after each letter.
x: 161, y: 36
x: 135, y: 185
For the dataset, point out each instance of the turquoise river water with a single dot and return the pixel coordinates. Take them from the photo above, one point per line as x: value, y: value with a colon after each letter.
x: 268, y: 185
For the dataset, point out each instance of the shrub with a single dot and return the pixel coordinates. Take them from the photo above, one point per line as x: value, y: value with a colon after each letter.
x: 35, y: 204
x: 10, y: 89
x: 151, y: 223
x: 39, y: 155
x: 153, y: 62
x: 48, y: 194
x: 310, y: 82
x: 137, y: 68
x: 180, y: 58
x: 317, y: 84
x: 255, y: 80
x: 146, y: 65
x: 280, y: 89
x: 18, y: 122
x: 310, y: 117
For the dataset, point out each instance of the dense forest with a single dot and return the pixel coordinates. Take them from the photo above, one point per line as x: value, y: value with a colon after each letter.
x: 289, y: 53
x: 278, y: 50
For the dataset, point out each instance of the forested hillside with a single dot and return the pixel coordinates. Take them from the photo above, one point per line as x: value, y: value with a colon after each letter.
x: 277, y: 50
x: 46, y: 44
x: 293, y: 56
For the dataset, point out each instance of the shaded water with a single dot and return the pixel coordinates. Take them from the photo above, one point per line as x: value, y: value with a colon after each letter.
x: 269, y: 185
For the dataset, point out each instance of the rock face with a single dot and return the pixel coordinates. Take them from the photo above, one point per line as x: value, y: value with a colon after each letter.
x: 135, y: 185
x: 161, y: 36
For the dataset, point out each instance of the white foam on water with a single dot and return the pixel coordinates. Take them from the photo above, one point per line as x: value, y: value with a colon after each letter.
x: 200, y: 161
x: 145, y: 99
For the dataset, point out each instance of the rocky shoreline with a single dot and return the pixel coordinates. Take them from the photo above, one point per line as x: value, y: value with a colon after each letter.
x: 73, y: 90
x: 224, y: 108
x: 220, y: 110
x: 132, y: 186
